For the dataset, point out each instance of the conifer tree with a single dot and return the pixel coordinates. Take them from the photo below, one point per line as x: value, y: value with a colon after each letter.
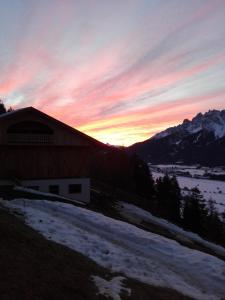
x: 194, y: 212
x: 175, y: 203
x: 144, y: 183
x: 168, y: 198
x: 2, y: 108
x: 214, y: 225
x: 10, y: 109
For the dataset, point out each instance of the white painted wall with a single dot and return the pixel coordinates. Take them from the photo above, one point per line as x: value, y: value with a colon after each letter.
x: 63, y: 184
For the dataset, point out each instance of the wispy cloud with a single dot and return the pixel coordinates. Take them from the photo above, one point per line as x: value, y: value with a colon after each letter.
x: 120, y: 71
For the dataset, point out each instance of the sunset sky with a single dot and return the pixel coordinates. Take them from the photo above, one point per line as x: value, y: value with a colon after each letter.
x: 118, y: 70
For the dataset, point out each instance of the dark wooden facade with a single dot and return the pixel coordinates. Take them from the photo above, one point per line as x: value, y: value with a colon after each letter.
x: 43, y: 162
x: 34, y: 145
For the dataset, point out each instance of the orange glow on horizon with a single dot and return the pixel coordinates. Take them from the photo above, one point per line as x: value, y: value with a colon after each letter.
x: 137, y: 124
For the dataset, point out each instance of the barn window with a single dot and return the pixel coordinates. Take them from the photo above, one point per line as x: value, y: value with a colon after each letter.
x: 74, y: 188
x: 29, y: 132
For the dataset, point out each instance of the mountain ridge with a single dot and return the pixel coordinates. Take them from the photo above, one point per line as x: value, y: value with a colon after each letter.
x: 213, y: 121
x: 200, y: 140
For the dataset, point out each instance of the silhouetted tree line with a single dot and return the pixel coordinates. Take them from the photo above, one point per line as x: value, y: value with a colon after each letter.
x: 202, y: 217
x: 191, y: 211
x: 3, y: 109
x: 162, y: 197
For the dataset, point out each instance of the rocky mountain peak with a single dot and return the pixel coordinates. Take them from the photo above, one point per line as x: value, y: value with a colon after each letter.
x: 212, y: 121
x: 197, y: 141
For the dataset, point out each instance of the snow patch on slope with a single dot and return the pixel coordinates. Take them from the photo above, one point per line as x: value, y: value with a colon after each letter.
x: 124, y: 248
x: 112, y: 288
x: 136, y: 214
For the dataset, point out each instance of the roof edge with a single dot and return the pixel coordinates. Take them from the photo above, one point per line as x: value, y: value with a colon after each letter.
x: 68, y: 127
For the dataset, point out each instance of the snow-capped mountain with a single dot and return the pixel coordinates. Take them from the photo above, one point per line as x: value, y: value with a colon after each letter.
x: 201, y: 140
x: 213, y: 121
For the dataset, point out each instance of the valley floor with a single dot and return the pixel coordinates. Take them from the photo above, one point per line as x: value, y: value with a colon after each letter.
x: 211, y: 189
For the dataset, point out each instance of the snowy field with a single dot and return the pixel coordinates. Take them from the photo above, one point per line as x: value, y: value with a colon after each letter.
x: 191, y: 170
x: 124, y: 248
x: 210, y: 189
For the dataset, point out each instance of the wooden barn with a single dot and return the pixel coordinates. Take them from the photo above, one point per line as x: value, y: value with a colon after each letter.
x: 42, y: 153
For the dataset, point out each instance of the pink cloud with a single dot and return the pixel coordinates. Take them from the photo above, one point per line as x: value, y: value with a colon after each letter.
x: 103, y: 89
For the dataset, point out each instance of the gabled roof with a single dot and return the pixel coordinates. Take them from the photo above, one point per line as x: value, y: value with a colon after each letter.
x: 31, y: 109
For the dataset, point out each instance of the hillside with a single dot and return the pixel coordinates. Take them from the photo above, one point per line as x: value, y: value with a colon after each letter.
x: 191, y: 142
x: 158, y: 266
x: 33, y: 267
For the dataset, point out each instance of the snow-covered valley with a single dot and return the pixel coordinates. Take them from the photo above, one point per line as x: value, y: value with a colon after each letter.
x: 211, y: 189
x: 126, y: 249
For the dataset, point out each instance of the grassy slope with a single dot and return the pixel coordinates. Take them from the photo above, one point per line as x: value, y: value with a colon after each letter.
x: 34, y: 268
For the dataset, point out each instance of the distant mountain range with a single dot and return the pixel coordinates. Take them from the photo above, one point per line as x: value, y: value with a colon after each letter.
x: 199, y: 141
